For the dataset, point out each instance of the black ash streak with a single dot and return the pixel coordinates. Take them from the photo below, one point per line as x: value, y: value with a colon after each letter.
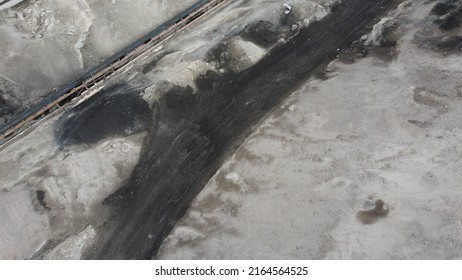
x: 189, y: 134
x: 115, y: 111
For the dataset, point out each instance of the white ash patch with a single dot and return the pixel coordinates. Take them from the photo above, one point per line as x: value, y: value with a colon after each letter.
x: 186, y: 71
x: 23, y: 229
x: 186, y: 235
x: 380, y: 33
x: 249, y: 50
x: 73, y: 247
x: 237, y: 180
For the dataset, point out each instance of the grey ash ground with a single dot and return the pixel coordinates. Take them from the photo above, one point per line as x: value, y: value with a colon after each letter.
x: 360, y: 163
x: 46, y: 43
x: 225, y: 144
x: 191, y: 132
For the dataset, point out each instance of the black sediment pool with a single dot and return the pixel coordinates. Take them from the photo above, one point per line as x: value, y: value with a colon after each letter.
x: 188, y: 134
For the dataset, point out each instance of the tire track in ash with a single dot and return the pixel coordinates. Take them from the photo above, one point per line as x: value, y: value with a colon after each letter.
x: 190, y: 133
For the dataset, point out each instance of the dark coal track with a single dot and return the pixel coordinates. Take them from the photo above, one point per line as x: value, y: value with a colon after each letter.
x: 190, y: 133
x: 117, y: 110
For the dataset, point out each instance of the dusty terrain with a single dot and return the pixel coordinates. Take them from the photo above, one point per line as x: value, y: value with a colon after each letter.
x: 193, y: 128
x: 46, y: 43
x: 305, y: 184
x: 62, y: 171
x: 359, y: 162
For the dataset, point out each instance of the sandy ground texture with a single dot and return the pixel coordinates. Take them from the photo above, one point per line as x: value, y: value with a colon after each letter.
x: 45, y: 43
x: 194, y: 127
x: 362, y: 164
x: 359, y: 164
x: 55, y: 178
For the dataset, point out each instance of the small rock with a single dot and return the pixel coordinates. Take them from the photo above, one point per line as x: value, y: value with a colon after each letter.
x: 405, y: 5
x: 383, y: 33
x: 373, y: 215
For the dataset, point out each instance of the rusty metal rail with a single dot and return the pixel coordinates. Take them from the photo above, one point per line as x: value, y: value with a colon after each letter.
x: 91, y: 78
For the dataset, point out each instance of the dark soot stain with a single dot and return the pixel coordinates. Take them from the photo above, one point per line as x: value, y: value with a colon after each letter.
x: 262, y: 33
x: 371, y: 216
x: 190, y: 132
x: 442, y: 43
x: 442, y: 8
x: 41, y: 195
x: 450, y: 14
x: 116, y: 111
x: 5, y: 107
